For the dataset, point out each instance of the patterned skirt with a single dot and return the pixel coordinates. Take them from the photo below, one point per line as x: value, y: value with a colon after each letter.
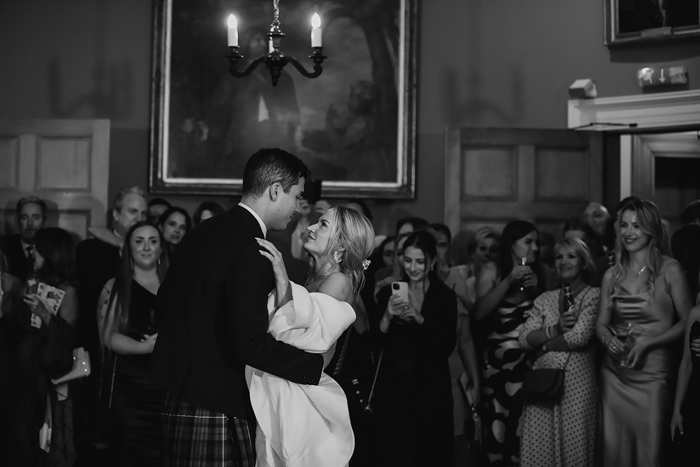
x: 505, y: 366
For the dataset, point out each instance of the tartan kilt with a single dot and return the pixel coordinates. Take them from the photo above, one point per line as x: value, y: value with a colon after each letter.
x: 197, y: 437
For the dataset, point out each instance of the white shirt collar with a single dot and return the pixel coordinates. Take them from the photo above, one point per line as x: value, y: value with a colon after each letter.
x: 257, y: 218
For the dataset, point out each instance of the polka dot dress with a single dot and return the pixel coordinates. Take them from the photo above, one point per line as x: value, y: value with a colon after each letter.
x: 563, y: 434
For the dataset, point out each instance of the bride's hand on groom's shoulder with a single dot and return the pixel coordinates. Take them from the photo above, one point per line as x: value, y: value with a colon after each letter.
x: 270, y: 252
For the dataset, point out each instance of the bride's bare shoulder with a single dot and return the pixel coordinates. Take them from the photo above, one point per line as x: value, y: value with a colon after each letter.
x: 337, y: 285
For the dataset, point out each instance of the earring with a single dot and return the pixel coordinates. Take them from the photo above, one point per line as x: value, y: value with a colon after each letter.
x: 336, y: 257
x: 158, y: 261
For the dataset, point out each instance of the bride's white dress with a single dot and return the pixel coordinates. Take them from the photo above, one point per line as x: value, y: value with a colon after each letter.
x: 303, y: 425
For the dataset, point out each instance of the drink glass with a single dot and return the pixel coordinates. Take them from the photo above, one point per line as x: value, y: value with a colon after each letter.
x: 523, y: 262
x: 624, y: 335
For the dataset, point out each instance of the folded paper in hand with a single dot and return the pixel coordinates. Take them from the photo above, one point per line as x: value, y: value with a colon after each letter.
x: 81, y: 367
x: 50, y: 296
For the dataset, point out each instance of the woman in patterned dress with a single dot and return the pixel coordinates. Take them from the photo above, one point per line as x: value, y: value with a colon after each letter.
x: 505, y: 292
x: 563, y: 433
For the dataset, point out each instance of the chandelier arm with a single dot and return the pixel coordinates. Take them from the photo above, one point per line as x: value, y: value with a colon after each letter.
x: 251, y: 67
x: 318, y: 69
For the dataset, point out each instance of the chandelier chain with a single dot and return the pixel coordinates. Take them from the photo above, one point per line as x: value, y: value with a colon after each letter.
x: 276, y: 14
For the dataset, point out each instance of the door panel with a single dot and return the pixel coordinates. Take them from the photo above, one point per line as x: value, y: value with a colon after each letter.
x: 493, y: 176
x: 666, y: 170
x: 64, y: 162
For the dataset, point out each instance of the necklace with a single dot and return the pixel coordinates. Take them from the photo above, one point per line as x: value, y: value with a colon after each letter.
x: 641, y: 270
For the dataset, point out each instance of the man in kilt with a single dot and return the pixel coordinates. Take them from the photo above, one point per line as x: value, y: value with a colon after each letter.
x: 212, y: 309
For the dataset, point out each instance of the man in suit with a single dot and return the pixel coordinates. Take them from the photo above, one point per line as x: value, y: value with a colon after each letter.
x: 213, y: 316
x: 31, y: 216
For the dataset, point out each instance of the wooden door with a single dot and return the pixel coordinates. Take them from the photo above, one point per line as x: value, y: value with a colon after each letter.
x: 666, y: 170
x: 64, y: 162
x: 493, y: 176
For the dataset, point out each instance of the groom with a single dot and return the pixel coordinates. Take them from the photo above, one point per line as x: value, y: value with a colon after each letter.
x: 212, y: 307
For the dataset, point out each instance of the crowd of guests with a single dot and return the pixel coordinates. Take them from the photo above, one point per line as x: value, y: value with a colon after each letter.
x: 613, y: 300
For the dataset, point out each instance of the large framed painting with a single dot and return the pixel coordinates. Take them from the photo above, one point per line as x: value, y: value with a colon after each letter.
x: 354, y: 125
x: 630, y: 22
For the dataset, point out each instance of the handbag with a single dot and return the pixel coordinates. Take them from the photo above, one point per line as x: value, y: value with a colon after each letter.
x: 546, y: 385
x: 81, y: 367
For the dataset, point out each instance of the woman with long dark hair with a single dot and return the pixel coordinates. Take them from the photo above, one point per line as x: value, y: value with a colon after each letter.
x: 505, y: 292
x: 174, y: 223
x: 44, y: 338
x: 644, y: 304
x: 128, y: 330
x: 414, y: 394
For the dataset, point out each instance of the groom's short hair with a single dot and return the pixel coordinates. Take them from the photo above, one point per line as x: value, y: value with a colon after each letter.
x: 269, y: 166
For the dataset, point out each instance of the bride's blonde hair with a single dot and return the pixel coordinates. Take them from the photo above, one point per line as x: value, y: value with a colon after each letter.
x: 353, y: 238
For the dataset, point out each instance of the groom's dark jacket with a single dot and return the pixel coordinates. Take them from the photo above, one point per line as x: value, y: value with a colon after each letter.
x: 212, y: 309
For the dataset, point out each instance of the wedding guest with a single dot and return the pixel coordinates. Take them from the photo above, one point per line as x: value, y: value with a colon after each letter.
x: 31, y: 217
x: 579, y: 227
x: 685, y: 245
x: 486, y: 241
x: 414, y: 399
x: 505, y: 292
x: 643, y: 310
x: 563, y: 433
x: 128, y: 328
x: 174, y: 223
x: 206, y: 210
x: 10, y: 299
x: 156, y: 208
x: 597, y: 216
x: 44, y: 336
x: 685, y: 422
x: 691, y: 213
x: 443, y: 235
x: 97, y: 260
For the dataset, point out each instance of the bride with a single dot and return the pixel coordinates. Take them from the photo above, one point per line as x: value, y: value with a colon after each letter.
x: 305, y: 425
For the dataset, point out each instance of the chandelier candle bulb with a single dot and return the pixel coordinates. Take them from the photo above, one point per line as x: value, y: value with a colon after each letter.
x: 316, y: 31
x: 232, y: 31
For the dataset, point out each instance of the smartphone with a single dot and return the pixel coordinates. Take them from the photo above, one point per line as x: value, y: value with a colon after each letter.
x: 312, y: 190
x: 400, y: 289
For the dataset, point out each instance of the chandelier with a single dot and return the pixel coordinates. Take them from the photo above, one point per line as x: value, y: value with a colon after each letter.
x: 275, y: 60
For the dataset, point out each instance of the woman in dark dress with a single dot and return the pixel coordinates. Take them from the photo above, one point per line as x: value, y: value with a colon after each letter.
x: 505, y: 293
x: 128, y: 330
x: 42, y: 349
x: 413, y: 392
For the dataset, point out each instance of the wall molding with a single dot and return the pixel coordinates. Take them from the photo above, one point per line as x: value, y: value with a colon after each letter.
x: 661, y: 110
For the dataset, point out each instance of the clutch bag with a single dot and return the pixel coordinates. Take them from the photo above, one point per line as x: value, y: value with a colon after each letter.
x: 81, y: 367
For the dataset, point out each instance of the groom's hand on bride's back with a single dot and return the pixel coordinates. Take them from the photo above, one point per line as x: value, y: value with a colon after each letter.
x: 328, y: 356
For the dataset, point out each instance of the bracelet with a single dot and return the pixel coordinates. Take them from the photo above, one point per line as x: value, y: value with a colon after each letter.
x: 546, y: 331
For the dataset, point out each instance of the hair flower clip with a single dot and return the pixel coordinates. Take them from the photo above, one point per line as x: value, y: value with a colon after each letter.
x: 365, y: 264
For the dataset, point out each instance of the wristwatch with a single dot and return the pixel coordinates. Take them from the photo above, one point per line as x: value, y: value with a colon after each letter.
x: 545, y: 349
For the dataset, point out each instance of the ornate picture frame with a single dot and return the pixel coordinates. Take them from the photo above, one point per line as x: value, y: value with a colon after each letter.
x: 354, y: 126
x: 628, y: 22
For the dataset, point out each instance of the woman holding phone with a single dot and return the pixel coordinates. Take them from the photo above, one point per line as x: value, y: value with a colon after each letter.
x: 505, y: 292
x: 413, y: 390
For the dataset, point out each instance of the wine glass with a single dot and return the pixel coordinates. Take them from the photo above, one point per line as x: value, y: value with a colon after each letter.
x: 623, y: 334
